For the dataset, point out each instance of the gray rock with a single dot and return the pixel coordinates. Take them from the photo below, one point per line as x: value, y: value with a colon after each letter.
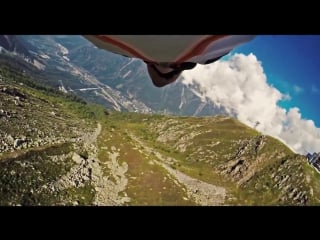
x: 18, y: 142
x: 10, y: 139
x: 77, y: 158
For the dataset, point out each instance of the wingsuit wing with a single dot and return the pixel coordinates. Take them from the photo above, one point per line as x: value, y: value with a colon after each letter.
x: 170, y: 48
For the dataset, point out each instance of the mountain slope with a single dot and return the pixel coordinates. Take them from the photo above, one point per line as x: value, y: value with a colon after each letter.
x: 130, y: 77
x: 73, y: 64
x: 57, y: 150
x: 41, y: 133
x: 14, y: 44
x: 241, y: 166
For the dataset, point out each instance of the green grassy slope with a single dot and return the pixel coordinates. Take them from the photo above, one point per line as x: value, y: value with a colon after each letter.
x: 58, y: 150
x: 253, y: 168
x: 39, y: 131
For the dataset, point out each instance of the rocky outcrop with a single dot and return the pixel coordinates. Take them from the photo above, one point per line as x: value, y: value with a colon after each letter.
x: 241, y: 166
x: 91, y: 170
x: 13, y: 92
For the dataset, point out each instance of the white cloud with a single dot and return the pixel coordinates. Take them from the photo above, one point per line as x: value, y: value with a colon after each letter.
x: 297, y: 89
x: 240, y: 86
x: 286, y: 97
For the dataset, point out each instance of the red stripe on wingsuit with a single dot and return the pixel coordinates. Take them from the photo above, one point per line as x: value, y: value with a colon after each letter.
x: 199, y: 48
x: 124, y: 47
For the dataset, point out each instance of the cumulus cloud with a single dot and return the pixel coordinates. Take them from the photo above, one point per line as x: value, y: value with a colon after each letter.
x: 297, y: 89
x: 286, y: 97
x: 240, y: 86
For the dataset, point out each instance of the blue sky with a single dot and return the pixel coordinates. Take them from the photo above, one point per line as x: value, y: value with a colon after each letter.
x: 292, y: 65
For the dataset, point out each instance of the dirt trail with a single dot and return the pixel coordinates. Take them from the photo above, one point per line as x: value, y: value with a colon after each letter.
x: 201, y: 192
x: 109, y: 188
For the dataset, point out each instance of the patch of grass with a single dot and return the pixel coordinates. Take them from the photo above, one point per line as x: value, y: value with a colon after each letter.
x: 21, y: 177
x: 83, y: 196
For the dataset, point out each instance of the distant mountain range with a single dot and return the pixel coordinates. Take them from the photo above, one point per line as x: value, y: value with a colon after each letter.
x: 14, y: 44
x: 99, y: 76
